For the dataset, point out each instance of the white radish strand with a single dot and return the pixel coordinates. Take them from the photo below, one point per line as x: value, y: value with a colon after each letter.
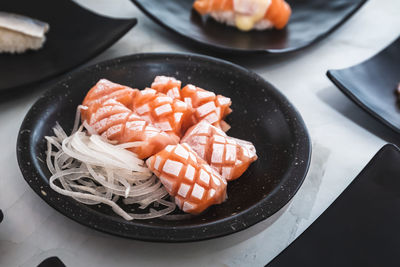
x: 88, y: 128
x: 92, y: 170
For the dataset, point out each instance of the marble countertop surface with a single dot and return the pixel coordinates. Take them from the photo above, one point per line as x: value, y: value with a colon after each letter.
x: 344, y: 139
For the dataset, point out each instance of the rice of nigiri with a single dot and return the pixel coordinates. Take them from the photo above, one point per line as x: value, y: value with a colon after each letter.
x: 228, y: 18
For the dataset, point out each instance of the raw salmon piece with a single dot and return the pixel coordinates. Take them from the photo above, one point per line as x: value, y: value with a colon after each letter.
x: 167, y: 85
x: 164, y: 112
x: 115, y: 121
x: 205, y: 105
x: 103, y: 91
x: 229, y: 156
x: 206, y: 6
x: 277, y: 12
x: 189, y: 179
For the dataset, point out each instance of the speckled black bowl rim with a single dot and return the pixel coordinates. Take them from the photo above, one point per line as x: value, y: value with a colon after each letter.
x: 227, y: 49
x: 134, y: 229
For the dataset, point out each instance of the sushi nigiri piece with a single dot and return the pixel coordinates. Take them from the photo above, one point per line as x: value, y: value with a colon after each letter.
x: 114, y: 121
x: 194, y: 185
x: 19, y: 33
x: 205, y: 105
x: 229, y: 156
x: 103, y: 91
x: 167, y: 85
x: 162, y: 111
x: 247, y: 14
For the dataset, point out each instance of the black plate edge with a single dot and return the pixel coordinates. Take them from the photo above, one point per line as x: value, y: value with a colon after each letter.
x: 229, y: 50
x: 383, y: 150
x: 306, y: 150
x: 340, y: 84
x: 130, y: 23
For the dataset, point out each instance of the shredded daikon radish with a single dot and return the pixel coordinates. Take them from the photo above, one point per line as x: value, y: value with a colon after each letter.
x: 93, y: 170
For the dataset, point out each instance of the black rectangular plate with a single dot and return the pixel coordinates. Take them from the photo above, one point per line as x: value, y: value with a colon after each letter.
x: 311, y: 21
x: 361, y: 227
x: 75, y: 36
x: 372, y: 85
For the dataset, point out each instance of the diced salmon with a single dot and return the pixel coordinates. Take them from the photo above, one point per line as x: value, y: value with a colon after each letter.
x: 194, y: 185
x: 164, y: 112
x: 115, y: 121
x: 103, y: 91
x: 167, y: 85
x: 205, y: 105
x: 229, y: 156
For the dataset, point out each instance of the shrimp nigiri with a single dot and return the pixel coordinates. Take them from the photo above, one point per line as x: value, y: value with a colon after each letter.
x: 247, y: 14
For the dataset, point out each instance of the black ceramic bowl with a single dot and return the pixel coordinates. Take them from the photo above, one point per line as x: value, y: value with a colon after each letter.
x: 311, y: 21
x: 261, y: 115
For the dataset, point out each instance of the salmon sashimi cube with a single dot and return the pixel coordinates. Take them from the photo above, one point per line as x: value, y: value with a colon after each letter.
x: 115, y: 121
x: 103, y: 91
x: 194, y: 185
x: 229, y: 156
x: 205, y: 105
x: 167, y: 85
x: 164, y: 112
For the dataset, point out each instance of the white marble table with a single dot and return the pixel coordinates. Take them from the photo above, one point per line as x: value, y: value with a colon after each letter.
x: 344, y: 140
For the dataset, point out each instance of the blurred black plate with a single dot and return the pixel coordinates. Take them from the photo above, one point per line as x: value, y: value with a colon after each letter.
x: 312, y: 20
x: 372, y: 85
x: 361, y: 227
x: 76, y: 35
x: 261, y: 115
x: 52, y: 262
